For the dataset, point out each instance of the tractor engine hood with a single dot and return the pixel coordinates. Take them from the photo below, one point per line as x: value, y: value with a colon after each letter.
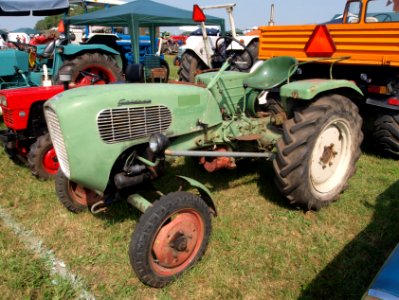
x: 91, y: 126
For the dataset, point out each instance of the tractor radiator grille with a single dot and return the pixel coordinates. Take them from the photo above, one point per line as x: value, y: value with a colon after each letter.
x: 8, y: 118
x: 123, y: 124
x: 57, y: 139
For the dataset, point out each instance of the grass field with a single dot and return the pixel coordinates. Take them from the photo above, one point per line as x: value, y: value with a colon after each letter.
x: 260, y: 247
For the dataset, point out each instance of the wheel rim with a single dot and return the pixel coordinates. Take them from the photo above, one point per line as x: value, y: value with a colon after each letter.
x: 99, y: 72
x: 81, y: 195
x: 50, y: 161
x: 331, y: 156
x: 177, y: 242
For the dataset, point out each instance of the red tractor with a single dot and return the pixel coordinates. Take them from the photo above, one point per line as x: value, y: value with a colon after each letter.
x: 26, y: 139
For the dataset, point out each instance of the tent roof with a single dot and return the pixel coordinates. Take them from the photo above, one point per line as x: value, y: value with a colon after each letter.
x: 144, y: 12
x: 36, y: 7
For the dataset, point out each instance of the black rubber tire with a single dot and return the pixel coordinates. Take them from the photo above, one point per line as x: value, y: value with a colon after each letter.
x: 79, y: 63
x: 253, y: 48
x: 63, y: 188
x: 190, y: 64
x: 386, y: 135
x: 293, y: 164
x: 140, y: 248
x: 36, y: 155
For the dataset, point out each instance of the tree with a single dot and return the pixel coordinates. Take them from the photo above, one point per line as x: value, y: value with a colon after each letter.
x: 52, y: 21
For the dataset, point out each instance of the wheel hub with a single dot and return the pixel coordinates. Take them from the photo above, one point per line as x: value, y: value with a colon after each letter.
x: 176, y: 242
x: 50, y: 162
x: 179, y: 242
x: 328, y: 156
x: 331, y: 156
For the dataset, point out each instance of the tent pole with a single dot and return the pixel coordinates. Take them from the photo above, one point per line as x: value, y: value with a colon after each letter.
x: 134, y: 37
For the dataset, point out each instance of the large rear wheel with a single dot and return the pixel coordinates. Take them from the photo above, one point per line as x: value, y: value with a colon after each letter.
x: 92, y: 68
x: 318, y: 151
x: 171, y: 237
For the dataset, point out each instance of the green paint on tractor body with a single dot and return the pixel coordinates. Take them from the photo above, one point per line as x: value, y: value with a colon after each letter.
x: 101, y: 125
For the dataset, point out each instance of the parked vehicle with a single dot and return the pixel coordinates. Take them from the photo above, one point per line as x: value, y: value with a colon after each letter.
x: 386, y: 283
x: 366, y: 35
x: 310, y: 129
x: 201, y: 51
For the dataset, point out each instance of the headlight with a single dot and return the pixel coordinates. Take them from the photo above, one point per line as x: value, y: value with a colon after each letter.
x: 3, y: 101
x: 158, y: 143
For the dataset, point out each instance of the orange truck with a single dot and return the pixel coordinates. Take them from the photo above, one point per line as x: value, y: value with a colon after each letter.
x: 364, y: 43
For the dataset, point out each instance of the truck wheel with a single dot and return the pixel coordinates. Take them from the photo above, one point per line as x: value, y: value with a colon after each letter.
x: 73, y: 196
x: 386, y: 134
x: 190, y: 64
x: 92, y: 68
x: 244, y: 56
x: 318, y: 151
x: 171, y: 237
x: 42, y: 159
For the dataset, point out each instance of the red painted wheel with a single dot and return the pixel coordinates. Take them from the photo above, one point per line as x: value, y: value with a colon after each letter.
x: 50, y: 161
x: 42, y: 159
x: 92, y: 68
x: 95, y: 74
x: 74, y: 197
x: 171, y: 237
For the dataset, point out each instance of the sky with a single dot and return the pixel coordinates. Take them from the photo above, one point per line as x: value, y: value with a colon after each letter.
x: 247, y: 13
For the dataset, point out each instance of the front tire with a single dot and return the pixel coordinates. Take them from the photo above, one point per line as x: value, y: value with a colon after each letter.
x: 74, y: 197
x: 42, y: 159
x: 171, y: 237
x: 386, y: 135
x: 318, y: 151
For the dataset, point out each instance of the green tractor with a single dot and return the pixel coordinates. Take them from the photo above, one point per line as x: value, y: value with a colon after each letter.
x: 114, y: 148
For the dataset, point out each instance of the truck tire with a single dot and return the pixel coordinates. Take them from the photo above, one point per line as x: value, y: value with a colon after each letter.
x: 253, y: 49
x: 318, y: 151
x: 73, y: 196
x: 42, y: 159
x: 190, y: 64
x: 171, y: 237
x: 386, y: 134
x: 92, y: 68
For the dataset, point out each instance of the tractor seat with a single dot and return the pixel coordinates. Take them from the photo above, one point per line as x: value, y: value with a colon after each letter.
x: 272, y: 72
x: 49, y: 50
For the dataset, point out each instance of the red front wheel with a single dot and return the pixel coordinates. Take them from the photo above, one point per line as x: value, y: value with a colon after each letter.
x: 170, y: 238
x: 73, y: 196
x: 42, y: 159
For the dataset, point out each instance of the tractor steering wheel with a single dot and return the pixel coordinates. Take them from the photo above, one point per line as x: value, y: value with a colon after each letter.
x: 221, y: 49
x: 386, y: 17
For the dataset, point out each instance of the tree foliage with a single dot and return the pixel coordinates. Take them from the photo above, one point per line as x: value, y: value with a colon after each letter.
x: 52, y: 21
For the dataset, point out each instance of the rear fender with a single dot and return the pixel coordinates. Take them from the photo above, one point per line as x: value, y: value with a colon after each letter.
x: 72, y: 49
x: 310, y: 88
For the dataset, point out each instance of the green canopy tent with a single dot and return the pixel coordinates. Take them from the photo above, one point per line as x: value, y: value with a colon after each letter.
x: 141, y: 13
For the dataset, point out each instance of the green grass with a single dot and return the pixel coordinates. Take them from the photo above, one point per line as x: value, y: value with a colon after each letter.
x: 260, y: 247
x: 24, y: 276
